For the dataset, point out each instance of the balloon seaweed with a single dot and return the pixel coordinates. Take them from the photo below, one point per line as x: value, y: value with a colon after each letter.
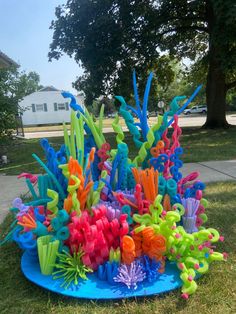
x: 96, y: 210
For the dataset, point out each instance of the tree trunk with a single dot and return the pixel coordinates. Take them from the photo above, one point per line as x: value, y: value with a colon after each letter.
x: 216, y: 95
x: 216, y: 85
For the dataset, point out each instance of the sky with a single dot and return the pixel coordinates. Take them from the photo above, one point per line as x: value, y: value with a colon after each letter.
x: 25, y: 37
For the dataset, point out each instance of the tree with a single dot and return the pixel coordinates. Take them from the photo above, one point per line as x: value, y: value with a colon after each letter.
x: 112, y: 37
x: 96, y: 40
x: 14, y: 85
x: 95, y: 107
x: 197, y: 74
x: 28, y: 83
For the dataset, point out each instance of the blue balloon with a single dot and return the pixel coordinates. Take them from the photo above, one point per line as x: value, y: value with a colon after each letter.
x: 73, y: 103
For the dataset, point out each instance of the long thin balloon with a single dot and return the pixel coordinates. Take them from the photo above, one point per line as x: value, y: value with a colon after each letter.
x: 81, y: 130
x: 191, y: 98
x: 143, y: 121
x: 129, y: 120
x: 72, y: 135
x: 133, y: 110
x: 51, y: 175
x: 31, y: 188
x: 136, y: 97
x: 146, y: 94
x: 101, y: 114
x: 73, y: 103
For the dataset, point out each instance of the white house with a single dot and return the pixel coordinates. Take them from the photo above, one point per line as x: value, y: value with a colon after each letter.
x: 47, y: 106
x: 6, y: 61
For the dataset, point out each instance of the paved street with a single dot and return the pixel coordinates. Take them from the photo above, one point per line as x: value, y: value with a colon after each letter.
x: 184, y: 121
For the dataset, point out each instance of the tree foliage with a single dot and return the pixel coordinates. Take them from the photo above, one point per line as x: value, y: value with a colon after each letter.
x: 14, y: 85
x: 111, y: 37
x: 109, y: 106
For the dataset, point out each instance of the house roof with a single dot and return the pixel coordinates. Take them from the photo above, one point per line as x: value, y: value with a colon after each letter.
x: 48, y: 89
x: 6, y: 61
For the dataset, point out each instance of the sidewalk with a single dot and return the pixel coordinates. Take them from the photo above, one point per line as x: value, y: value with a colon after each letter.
x: 210, y: 171
x: 10, y: 188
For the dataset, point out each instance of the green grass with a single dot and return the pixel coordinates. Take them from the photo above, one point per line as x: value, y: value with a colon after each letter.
x: 205, y: 145
x: 216, y: 293
x: 199, y: 145
x: 19, y: 153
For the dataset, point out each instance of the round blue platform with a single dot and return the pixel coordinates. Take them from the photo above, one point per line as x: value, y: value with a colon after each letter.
x: 95, y: 289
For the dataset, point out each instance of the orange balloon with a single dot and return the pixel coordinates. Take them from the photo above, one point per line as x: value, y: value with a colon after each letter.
x: 128, y: 244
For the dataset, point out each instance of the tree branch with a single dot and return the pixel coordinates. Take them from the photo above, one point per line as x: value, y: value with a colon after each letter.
x: 231, y: 85
x: 197, y: 28
x: 187, y: 18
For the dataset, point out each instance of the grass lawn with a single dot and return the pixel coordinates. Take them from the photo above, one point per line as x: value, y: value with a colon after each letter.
x: 216, y: 292
x: 199, y: 145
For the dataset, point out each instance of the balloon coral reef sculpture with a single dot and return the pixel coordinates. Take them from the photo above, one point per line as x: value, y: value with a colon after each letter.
x: 96, y: 210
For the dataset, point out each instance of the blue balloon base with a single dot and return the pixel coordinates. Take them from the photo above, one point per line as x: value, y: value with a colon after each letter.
x: 95, y: 289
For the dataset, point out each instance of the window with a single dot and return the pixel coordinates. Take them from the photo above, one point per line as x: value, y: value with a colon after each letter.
x: 39, y: 107
x: 61, y: 106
